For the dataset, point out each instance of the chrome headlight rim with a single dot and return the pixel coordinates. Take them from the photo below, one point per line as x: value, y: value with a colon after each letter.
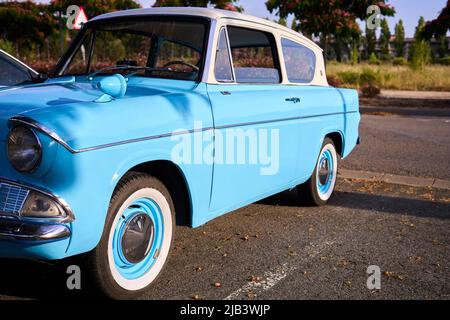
x: 34, y: 166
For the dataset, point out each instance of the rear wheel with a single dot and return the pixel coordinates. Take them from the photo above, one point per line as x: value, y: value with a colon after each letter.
x: 137, y: 238
x: 320, y: 187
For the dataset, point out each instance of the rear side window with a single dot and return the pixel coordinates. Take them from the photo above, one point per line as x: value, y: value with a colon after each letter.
x: 223, y: 70
x: 254, y: 56
x: 300, y: 61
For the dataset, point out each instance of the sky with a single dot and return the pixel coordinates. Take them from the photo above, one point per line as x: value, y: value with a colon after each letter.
x: 407, y: 10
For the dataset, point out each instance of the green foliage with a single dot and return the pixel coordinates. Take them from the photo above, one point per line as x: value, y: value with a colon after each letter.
x: 420, y: 51
x: 34, y: 28
x: 328, y: 19
x: 373, y: 59
x: 93, y: 8
x: 419, y: 29
x: 400, y: 61
x: 370, y: 41
x: 7, y: 46
x: 385, y: 36
x: 420, y: 54
x: 219, y: 4
x: 294, y: 25
x: 349, y: 77
x: 369, y: 77
x: 438, y: 27
x: 25, y: 23
x: 443, y: 47
x: 444, y: 61
x: 354, y: 55
x: 399, y: 41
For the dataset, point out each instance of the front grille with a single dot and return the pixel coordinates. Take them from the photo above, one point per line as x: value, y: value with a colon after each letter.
x: 12, y: 198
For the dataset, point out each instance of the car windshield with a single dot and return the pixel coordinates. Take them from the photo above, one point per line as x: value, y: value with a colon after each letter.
x: 162, y: 47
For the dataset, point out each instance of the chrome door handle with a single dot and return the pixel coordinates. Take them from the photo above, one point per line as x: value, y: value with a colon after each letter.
x: 293, y: 99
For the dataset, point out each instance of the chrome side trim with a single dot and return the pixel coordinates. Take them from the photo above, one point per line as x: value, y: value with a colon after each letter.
x: 60, y: 201
x: 36, y: 232
x: 165, y: 135
x: 36, y: 125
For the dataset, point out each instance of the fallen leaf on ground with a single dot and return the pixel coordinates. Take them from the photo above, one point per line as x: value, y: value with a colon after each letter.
x: 255, y: 279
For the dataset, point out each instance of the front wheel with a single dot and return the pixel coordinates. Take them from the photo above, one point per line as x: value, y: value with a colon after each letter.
x: 137, y: 238
x: 320, y: 187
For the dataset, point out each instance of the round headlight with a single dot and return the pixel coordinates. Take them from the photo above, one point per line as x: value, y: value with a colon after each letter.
x: 24, y: 149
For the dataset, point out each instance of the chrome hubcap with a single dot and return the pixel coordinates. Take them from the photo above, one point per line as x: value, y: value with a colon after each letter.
x: 324, y: 171
x: 137, y: 238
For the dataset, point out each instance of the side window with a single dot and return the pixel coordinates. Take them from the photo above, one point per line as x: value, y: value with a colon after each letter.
x: 11, y: 73
x: 254, y: 56
x: 223, y: 70
x: 300, y: 62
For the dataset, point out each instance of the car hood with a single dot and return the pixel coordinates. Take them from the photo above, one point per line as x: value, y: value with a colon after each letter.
x: 68, y: 109
x: 20, y: 100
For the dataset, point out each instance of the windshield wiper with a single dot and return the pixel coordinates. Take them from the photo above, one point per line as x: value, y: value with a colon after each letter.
x: 126, y: 67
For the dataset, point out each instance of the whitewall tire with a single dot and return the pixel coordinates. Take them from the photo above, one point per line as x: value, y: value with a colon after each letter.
x: 320, y: 187
x: 137, y: 238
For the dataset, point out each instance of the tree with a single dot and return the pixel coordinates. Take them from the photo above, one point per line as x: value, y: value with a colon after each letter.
x: 370, y: 42
x: 439, y: 26
x: 282, y: 21
x: 420, y: 27
x: 93, y: 7
x: 442, y: 47
x: 328, y: 19
x: 25, y: 24
x: 399, y: 41
x: 420, y: 52
x: 385, y: 37
x: 294, y: 25
x: 219, y: 4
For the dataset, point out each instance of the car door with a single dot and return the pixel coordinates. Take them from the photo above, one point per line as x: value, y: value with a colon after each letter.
x: 255, y: 119
x: 321, y: 108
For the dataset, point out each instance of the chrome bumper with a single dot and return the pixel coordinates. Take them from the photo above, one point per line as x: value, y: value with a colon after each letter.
x: 16, y: 230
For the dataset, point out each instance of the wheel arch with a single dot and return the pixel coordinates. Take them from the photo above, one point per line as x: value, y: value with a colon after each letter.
x: 338, y: 140
x: 172, y: 176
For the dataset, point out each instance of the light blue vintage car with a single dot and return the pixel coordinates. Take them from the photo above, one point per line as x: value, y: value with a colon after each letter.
x: 156, y: 117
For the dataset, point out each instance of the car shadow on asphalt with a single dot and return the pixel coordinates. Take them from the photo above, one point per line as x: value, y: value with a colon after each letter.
x: 30, y: 279
x: 371, y: 202
x: 48, y: 280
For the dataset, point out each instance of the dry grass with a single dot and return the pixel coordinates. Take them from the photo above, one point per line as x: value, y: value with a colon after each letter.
x: 431, y: 78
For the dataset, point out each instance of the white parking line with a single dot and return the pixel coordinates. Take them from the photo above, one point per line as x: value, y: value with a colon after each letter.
x: 272, y: 278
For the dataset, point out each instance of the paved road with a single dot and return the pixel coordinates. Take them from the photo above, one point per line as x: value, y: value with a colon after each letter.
x: 404, y: 145
x: 276, y: 249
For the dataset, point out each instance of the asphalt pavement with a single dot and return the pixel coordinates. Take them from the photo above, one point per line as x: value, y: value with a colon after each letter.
x: 277, y: 249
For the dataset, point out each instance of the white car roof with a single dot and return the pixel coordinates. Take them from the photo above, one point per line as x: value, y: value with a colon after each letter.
x: 202, y: 12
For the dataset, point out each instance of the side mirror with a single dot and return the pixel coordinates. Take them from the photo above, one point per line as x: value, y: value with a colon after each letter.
x: 113, y: 87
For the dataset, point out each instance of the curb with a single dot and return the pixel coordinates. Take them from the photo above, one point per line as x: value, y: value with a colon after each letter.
x: 395, y: 179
